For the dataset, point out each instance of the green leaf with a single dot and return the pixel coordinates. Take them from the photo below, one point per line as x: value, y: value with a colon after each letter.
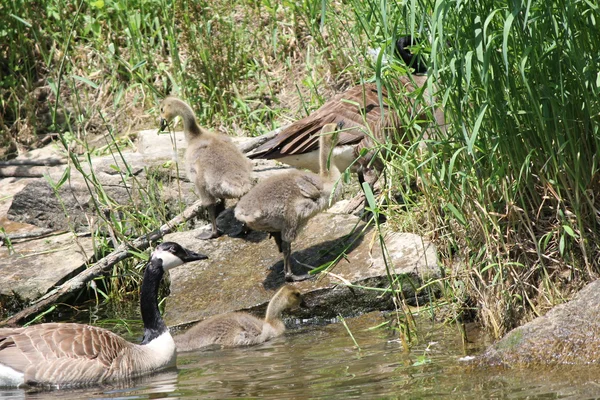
x: 99, y: 4
x: 86, y: 81
x: 421, y: 360
x: 476, y: 127
x: 369, y: 196
x: 561, y: 245
x: 570, y: 231
x: 21, y: 20
x: 456, y: 213
x: 507, y: 25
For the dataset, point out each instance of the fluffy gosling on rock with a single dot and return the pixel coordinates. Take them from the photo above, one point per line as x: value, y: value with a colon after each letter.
x: 282, y: 204
x: 214, y: 164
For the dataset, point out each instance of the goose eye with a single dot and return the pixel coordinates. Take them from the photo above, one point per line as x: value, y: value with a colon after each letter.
x: 162, y: 109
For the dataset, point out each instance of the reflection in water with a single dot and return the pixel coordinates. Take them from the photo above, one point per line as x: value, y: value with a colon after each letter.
x: 322, y: 362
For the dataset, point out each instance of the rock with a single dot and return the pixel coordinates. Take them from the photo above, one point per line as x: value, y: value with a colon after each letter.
x: 567, y: 334
x: 33, y: 267
x: 123, y: 178
x: 243, y: 273
x: 31, y: 205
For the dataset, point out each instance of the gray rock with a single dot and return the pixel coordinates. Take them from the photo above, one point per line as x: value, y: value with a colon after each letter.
x: 243, y: 273
x: 567, y: 334
x: 36, y: 266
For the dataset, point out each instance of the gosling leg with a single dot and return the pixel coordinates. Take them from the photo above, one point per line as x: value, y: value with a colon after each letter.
x: 287, y: 264
x: 212, y: 214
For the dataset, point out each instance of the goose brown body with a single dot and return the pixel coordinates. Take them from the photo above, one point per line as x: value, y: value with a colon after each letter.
x: 69, y: 354
x: 241, y: 329
x: 214, y: 164
x: 75, y: 354
x: 282, y: 204
x: 367, y: 120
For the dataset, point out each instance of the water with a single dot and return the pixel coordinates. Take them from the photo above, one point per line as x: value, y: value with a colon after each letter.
x: 322, y: 362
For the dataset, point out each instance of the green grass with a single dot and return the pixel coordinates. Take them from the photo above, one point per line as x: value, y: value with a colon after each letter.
x: 507, y: 192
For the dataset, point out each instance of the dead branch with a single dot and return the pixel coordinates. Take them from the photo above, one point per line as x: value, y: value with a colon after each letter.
x: 102, y: 266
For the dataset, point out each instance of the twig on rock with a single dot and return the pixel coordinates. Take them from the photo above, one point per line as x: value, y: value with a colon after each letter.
x: 102, y: 266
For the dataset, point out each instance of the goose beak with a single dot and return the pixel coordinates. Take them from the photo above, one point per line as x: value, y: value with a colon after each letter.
x: 192, y: 256
x: 163, y: 124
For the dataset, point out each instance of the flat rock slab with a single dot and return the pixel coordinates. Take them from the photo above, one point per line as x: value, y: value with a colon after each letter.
x: 32, y: 268
x: 243, y: 273
x: 567, y: 334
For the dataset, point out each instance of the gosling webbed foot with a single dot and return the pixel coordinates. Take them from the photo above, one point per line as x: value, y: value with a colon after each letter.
x: 290, y: 277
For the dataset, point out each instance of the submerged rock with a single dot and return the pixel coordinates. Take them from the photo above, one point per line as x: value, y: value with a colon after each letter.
x: 243, y: 273
x: 567, y: 334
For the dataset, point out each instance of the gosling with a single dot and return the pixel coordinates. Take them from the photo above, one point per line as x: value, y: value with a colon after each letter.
x: 282, y: 204
x: 241, y: 329
x: 214, y: 164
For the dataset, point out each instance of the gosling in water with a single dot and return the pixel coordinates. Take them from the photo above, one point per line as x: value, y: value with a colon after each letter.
x: 239, y: 328
x: 214, y: 164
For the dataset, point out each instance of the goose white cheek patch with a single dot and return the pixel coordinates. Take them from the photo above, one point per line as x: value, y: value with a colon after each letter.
x: 169, y: 260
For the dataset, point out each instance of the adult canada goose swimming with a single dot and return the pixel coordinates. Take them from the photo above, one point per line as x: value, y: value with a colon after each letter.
x: 239, y: 328
x: 360, y: 109
x: 68, y: 354
x: 282, y: 204
x: 214, y: 164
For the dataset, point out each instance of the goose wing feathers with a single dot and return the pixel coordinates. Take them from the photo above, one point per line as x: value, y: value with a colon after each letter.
x: 58, y: 352
x: 357, y: 107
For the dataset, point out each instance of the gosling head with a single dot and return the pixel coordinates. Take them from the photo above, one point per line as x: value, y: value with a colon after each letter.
x: 291, y: 298
x: 167, y: 111
x: 170, y: 255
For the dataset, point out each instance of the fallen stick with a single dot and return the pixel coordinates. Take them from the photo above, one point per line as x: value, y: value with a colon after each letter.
x: 102, y: 266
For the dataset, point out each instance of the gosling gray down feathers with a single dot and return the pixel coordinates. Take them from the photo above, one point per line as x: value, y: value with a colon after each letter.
x: 214, y: 164
x: 241, y: 329
x: 282, y: 204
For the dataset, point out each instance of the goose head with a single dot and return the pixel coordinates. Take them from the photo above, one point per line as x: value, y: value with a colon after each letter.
x: 170, y: 255
x: 403, y: 45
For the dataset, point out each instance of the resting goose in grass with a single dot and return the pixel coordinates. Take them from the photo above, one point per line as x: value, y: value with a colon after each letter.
x: 282, y: 204
x: 359, y: 107
x: 69, y: 354
x: 239, y: 328
x: 214, y: 163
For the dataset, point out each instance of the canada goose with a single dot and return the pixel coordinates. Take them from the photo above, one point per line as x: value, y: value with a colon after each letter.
x: 214, y: 164
x: 282, y: 204
x: 361, y: 111
x: 69, y: 354
x: 239, y: 328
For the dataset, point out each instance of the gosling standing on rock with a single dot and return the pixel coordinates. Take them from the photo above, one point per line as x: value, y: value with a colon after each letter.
x: 282, y: 204
x: 241, y: 329
x: 214, y: 164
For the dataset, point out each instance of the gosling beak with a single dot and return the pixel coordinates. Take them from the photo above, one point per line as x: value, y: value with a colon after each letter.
x: 303, y: 304
x: 192, y: 256
x: 163, y: 124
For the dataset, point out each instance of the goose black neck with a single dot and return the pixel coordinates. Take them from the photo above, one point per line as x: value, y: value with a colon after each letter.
x: 154, y: 326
